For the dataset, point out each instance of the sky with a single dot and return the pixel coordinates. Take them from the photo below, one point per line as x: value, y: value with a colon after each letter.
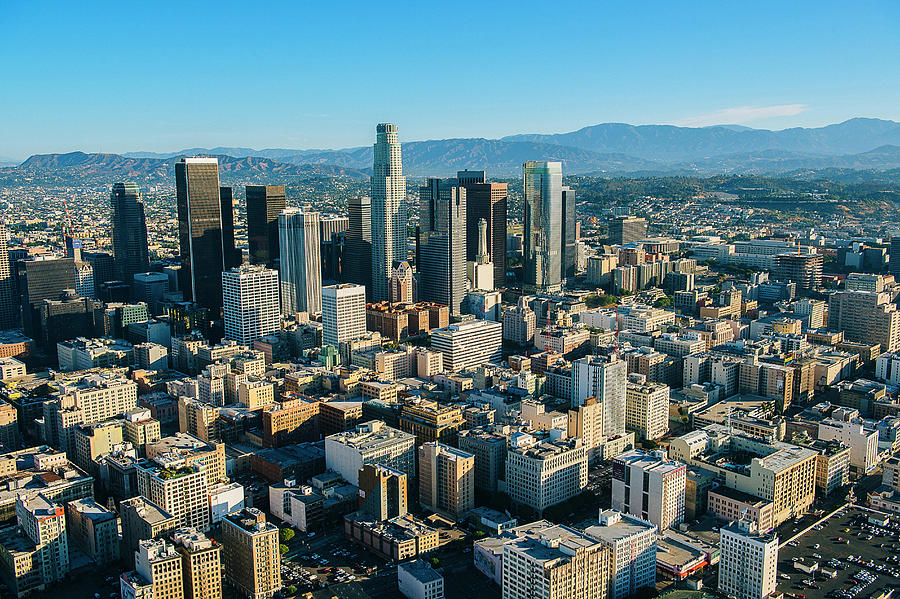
x: 163, y: 76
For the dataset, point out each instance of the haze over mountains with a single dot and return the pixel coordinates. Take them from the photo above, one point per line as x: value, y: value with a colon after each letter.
x: 605, y: 149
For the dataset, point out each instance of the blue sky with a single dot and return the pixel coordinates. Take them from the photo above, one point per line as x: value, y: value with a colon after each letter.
x: 162, y: 76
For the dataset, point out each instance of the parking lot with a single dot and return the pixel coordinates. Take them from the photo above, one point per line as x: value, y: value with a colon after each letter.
x: 831, y: 544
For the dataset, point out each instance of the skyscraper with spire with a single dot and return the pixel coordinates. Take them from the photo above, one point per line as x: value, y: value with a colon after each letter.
x: 389, y: 213
x: 129, y: 231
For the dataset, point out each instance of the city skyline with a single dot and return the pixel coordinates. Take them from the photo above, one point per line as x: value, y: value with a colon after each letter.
x: 778, y: 79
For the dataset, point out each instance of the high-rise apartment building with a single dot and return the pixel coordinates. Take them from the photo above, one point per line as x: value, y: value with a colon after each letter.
x: 547, y: 561
x: 250, y: 295
x: 383, y: 492
x: 251, y: 558
x: 343, y: 313
x: 357, y: 267
x: 647, y: 409
x: 489, y: 449
x: 44, y: 522
x: 470, y: 343
x: 389, y: 213
x: 865, y: 317
x: 649, y: 486
x: 201, y: 231
x: 748, y: 561
x: 586, y: 421
x: 201, y: 564
x: 626, y: 229
x: 178, y: 489
x: 486, y: 201
x: 301, y: 261
x: 543, y: 226
x: 519, y: 323
x: 129, y: 231
x: 94, y: 529
x: 633, y: 545
x: 540, y: 475
x: 264, y: 204
x: 446, y: 479
x: 604, y: 379
x: 142, y: 519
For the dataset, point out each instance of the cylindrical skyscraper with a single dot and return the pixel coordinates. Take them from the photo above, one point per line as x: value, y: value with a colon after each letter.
x: 388, y: 209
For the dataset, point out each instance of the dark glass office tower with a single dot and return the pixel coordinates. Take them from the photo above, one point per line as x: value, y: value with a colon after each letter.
x: 41, y: 280
x: 441, y: 243
x: 9, y: 307
x: 200, y: 231
x: 264, y: 204
x: 487, y: 201
x: 357, y: 265
x: 568, y: 233
x: 232, y: 254
x: 129, y: 231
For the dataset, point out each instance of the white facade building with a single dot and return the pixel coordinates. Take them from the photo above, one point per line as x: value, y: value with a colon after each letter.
x: 603, y: 379
x: 466, y: 344
x: 418, y: 580
x: 649, y: 486
x: 748, y: 562
x: 250, y: 297
x: 343, y: 313
x: 633, y: 544
x: 370, y: 443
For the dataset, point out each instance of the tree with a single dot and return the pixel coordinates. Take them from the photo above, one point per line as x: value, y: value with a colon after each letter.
x: 282, y: 548
x: 290, y: 590
x: 286, y: 534
x: 435, y: 562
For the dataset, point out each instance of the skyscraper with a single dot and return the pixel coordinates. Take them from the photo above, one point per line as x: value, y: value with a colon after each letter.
x: 343, y: 313
x: 543, y: 232
x: 748, y: 563
x: 129, y: 231
x: 441, y: 247
x: 357, y: 267
x: 200, y: 231
x: 251, y: 303
x: 567, y: 249
x: 480, y: 272
x: 9, y: 309
x: 486, y: 201
x: 300, y: 263
x: 389, y: 213
x: 264, y: 204
x: 231, y: 254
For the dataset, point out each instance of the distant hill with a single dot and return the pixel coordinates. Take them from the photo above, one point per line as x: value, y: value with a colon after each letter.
x: 605, y: 149
x: 80, y: 165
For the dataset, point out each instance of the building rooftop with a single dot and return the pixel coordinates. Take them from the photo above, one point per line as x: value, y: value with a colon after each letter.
x: 149, y: 511
x: 421, y: 571
x: 251, y: 521
x: 370, y: 436
x: 89, y: 508
x: 615, y: 526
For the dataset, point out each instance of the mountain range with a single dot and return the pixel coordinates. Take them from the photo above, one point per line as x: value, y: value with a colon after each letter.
x: 604, y: 149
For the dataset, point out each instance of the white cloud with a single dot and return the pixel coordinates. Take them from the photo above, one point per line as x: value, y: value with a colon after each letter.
x: 740, y: 115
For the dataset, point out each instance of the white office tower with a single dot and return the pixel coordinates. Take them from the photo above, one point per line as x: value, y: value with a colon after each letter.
x: 300, y: 261
x: 748, y: 561
x: 554, y: 561
x: 343, y: 313
x: 250, y: 300
x: 543, y: 234
x: 603, y: 378
x: 469, y: 343
x: 649, y: 486
x: 481, y: 271
x: 633, y: 544
x: 389, y: 213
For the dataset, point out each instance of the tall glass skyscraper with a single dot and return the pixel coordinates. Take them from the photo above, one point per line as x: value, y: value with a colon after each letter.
x: 301, y: 261
x: 389, y: 214
x: 129, y: 231
x: 357, y: 266
x: 543, y: 235
x: 200, y: 231
x: 567, y: 250
x: 9, y: 307
x: 264, y: 204
x: 441, y: 247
